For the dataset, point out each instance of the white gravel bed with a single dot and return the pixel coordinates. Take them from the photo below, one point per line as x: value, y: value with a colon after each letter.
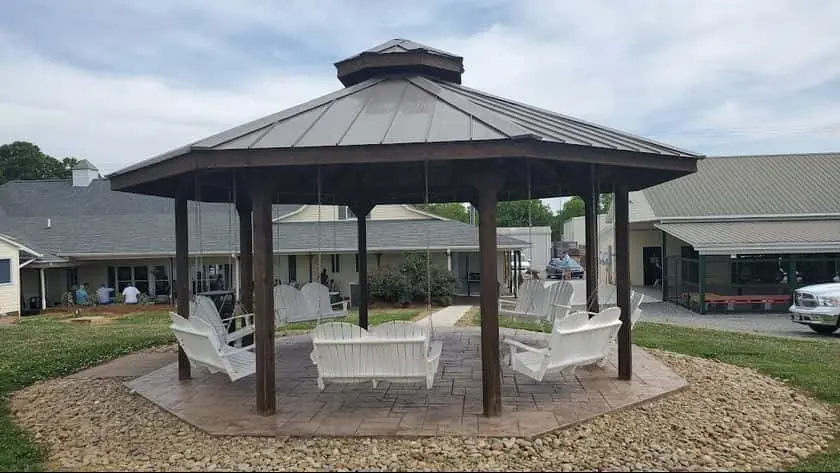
x: 729, y: 418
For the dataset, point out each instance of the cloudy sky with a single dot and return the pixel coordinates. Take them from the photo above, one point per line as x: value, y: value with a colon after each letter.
x: 119, y: 81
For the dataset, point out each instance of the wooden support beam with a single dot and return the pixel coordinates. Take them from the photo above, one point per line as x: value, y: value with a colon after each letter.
x: 246, y: 257
x: 182, y: 272
x: 261, y: 198
x: 488, y: 186
x: 362, y: 210
x: 591, y: 199
x: 622, y: 280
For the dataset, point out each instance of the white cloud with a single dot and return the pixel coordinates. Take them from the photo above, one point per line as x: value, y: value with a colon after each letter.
x: 715, y: 75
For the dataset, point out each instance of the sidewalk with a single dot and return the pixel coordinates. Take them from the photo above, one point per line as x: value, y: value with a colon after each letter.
x: 446, y: 317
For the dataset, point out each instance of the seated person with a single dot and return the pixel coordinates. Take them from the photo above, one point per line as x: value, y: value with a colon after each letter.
x: 130, y: 294
x: 103, y: 294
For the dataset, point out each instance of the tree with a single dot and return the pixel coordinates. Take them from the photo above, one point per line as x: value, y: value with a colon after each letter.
x: 451, y: 210
x: 515, y: 213
x: 574, y: 207
x: 604, y: 201
x: 25, y: 160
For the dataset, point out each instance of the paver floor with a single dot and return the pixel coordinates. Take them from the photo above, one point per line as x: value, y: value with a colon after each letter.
x: 453, y: 406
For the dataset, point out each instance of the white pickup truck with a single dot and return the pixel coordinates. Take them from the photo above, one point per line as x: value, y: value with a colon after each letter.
x: 817, y: 306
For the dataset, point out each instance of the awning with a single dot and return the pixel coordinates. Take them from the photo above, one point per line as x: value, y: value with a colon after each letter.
x: 758, y: 237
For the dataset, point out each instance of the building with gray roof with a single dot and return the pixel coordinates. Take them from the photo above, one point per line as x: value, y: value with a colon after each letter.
x: 735, y: 231
x: 57, y: 234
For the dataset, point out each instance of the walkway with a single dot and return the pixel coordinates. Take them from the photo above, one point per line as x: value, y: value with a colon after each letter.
x: 446, y: 317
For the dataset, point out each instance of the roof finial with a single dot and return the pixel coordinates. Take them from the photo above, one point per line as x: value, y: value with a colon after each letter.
x: 400, y: 57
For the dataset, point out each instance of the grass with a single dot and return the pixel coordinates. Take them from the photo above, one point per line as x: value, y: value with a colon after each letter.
x: 43, y: 347
x: 810, y: 365
x: 807, y: 364
x: 48, y: 346
x: 375, y: 316
x: 473, y: 317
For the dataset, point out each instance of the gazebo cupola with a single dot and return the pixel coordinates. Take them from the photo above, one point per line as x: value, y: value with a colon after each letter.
x: 400, y: 57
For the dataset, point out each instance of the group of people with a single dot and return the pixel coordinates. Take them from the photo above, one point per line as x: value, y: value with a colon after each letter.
x: 103, y: 295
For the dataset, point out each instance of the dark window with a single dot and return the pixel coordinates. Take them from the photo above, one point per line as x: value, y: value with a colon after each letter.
x: 335, y: 261
x: 5, y: 271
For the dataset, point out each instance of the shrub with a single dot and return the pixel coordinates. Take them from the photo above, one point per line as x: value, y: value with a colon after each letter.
x: 411, y: 280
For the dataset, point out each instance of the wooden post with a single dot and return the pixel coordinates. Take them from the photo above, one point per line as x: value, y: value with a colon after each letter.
x: 491, y: 368
x: 246, y: 258
x: 261, y: 199
x: 362, y: 210
x: 622, y: 280
x: 591, y: 224
x: 182, y: 271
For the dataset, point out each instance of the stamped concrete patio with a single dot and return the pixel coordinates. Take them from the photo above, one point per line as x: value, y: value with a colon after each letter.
x: 452, y: 407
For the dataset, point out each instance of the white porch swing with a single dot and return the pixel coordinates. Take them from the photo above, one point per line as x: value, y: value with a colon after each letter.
x: 310, y: 303
x: 395, y: 351
x: 206, y: 337
x: 537, y: 300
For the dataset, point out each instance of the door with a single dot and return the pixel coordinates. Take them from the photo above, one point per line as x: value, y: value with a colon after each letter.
x: 652, y: 257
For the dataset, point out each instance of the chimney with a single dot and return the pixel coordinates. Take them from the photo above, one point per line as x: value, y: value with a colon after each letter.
x: 84, y: 173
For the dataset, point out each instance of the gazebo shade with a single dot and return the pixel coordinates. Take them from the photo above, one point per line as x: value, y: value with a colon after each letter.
x: 400, y: 116
x: 403, y: 130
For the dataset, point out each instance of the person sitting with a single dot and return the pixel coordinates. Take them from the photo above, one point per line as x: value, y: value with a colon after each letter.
x: 130, y: 294
x: 103, y: 294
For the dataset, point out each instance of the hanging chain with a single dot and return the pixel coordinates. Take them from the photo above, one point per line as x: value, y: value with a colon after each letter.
x: 428, y: 255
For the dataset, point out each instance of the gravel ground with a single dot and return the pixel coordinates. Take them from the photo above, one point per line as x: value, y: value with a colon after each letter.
x: 730, y: 418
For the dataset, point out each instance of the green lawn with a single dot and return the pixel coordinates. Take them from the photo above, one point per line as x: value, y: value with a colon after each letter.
x: 43, y: 347
x: 808, y: 364
x: 375, y: 316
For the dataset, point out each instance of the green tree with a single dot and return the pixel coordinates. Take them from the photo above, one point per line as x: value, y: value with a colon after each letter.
x: 451, y: 210
x: 605, y: 201
x: 574, y: 207
x: 515, y: 213
x: 25, y: 160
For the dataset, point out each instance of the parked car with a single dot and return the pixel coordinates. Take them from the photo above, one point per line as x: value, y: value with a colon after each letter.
x: 817, y: 306
x: 557, y: 267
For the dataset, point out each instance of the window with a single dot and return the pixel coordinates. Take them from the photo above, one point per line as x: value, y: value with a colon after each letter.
x: 357, y: 262
x: 5, y: 271
x: 212, y: 277
x: 335, y: 263
x: 161, y: 280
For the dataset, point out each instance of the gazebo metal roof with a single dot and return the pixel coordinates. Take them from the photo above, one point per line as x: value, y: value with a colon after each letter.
x: 387, y: 125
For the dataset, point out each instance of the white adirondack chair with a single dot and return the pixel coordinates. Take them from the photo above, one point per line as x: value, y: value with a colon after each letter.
x: 524, y: 300
x: 576, y: 340
x: 290, y: 306
x: 203, y: 348
x: 318, y: 297
x: 394, y: 351
x: 547, y: 302
x: 203, y: 308
x: 636, y: 307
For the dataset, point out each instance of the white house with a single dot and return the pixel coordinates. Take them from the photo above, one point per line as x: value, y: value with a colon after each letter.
x: 537, y: 240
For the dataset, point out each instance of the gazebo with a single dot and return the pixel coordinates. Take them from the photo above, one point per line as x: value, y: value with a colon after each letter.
x: 404, y: 130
